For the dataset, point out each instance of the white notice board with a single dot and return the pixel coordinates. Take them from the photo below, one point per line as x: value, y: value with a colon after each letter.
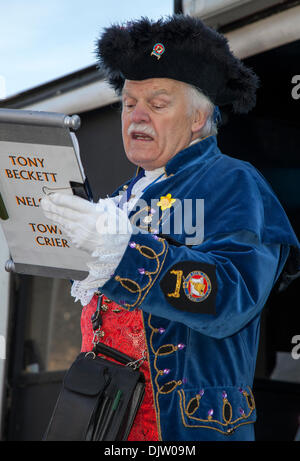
x: 38, y: 153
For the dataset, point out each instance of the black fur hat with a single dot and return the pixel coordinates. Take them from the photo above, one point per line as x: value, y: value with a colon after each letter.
x: 181, y: 48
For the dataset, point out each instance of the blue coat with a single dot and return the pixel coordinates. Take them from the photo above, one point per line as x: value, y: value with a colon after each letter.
x: 201, y: 302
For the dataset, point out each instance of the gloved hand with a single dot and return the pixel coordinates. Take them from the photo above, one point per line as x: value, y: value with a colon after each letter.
x: 90, y: 226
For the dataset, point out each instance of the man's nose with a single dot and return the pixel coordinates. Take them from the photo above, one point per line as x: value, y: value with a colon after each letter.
x: 140, y: 114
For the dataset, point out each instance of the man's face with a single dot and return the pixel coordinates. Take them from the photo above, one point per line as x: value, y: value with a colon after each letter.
x: 156, y: 121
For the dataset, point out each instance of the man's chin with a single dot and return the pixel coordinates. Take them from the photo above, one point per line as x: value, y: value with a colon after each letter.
x: 143, y: 160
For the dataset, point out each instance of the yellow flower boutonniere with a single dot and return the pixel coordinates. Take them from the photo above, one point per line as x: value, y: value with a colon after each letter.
x: 166, y: 202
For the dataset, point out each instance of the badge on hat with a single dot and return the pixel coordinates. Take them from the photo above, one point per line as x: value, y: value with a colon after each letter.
x: 158, y: 50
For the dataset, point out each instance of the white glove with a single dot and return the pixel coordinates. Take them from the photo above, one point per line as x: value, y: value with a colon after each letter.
x: 90, y: 226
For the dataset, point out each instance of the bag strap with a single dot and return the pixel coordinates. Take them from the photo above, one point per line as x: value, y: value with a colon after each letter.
x: 100, y: 348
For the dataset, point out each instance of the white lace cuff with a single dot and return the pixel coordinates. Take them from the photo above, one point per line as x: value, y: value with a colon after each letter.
x: 81, y: 294
x: 106, y: 257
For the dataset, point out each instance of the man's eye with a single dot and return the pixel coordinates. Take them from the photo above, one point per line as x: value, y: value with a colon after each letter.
x: 128, y: 104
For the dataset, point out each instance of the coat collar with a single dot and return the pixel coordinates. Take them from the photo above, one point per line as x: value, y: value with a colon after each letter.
x: 188, y: 156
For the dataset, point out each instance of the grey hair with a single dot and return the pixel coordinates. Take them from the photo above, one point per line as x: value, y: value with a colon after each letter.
x: 198, y: 101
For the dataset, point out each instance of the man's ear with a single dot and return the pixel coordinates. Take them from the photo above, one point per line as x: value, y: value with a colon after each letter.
x: 199, y: 121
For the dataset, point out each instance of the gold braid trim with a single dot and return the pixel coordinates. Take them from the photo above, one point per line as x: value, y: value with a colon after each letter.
x: 182, y: 399
x: 132, y: 286
x: 240, y: 420
x: 159, y: 372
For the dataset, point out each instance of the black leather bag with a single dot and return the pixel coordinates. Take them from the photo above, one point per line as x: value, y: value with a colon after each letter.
x: 99, y: 398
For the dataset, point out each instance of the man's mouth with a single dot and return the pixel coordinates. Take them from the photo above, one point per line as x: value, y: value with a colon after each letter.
x: 141, y: 136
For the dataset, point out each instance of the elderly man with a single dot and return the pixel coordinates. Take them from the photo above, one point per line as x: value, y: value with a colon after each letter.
x: 183, y: 294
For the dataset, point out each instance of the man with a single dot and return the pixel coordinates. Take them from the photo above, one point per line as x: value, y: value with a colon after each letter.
x: 191, y: 294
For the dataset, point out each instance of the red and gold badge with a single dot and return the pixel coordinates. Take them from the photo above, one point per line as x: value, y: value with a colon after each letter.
x: 197, y: 286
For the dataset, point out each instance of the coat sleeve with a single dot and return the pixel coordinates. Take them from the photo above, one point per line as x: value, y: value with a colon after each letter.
x: 215, y: 288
